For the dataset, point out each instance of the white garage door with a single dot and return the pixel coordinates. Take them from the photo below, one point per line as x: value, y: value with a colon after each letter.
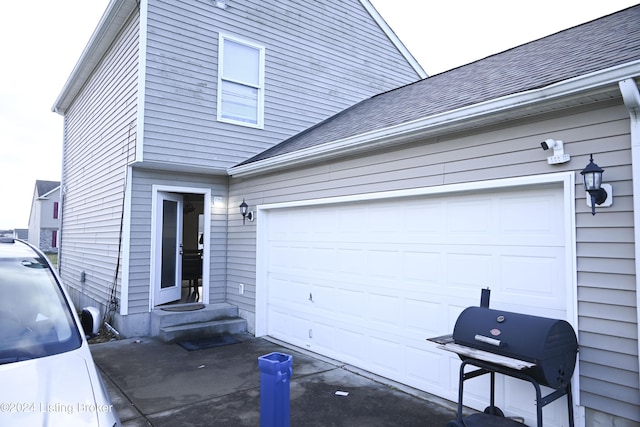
x: 368, y: 282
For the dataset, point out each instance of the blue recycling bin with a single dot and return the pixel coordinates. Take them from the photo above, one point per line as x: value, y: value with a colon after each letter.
x: 275, y: 375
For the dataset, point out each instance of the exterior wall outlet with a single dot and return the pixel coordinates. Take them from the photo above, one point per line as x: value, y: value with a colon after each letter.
x: 241, y: 288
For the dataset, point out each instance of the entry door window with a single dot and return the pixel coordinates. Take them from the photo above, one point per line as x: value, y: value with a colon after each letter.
x: 169, y: 243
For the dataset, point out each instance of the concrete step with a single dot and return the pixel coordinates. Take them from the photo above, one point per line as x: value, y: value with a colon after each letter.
x: 202, y: 329
x: 213, y: 319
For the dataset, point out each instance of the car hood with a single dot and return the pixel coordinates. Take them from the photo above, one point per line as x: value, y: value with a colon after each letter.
x: 58, y: 390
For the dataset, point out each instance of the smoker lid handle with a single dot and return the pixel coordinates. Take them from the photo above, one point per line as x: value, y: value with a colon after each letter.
x: 488, y: 340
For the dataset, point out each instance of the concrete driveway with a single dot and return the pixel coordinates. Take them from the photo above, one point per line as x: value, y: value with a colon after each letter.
x: 159, y: 384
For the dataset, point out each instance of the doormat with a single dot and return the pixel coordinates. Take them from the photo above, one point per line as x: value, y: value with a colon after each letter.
x: 183, y: 307
x: 209, y: 342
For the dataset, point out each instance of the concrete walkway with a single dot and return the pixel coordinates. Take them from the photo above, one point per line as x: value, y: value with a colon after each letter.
x: 159, y: 384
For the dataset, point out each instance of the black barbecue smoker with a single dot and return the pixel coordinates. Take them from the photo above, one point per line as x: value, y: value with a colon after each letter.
x: 539, y: 350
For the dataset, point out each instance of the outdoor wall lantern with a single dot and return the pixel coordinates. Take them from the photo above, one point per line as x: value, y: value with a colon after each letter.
x: 598, y: 194
x: 246, y: 213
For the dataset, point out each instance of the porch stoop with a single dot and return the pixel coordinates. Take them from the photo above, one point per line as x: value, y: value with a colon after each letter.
x: 212, y: 320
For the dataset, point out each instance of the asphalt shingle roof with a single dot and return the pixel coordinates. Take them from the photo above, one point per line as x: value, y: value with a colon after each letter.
x: 600, y: 44
x: 43, y: 187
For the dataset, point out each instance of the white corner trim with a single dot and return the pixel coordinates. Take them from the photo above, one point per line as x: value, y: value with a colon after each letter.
x: 126, y: 244
x: 394, y: 38
x: 631, y: 97
x: 142, y: 80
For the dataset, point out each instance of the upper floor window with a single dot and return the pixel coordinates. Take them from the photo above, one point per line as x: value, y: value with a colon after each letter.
x: 240, y: 82
x: 55, y: 210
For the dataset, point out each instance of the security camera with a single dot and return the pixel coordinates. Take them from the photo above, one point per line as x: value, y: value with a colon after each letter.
x: 558, y: 151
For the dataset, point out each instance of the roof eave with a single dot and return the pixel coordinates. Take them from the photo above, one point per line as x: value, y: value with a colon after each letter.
x: 470, y: 116
x: 118, y: 11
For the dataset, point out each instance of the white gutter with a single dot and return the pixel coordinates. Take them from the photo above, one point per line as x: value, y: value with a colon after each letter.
x: 394, y: 38
x: 422, y: 127
x: 631, y: 98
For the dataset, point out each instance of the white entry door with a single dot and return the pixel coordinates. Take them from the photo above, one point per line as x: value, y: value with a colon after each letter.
x: 168, y: 283
x: 368, y: 282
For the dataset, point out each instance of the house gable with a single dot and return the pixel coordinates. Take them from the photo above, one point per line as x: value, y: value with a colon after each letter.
x: 320, y: 57
x: 506, y: 79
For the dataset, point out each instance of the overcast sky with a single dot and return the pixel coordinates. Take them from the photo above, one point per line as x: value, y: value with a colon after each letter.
x: 42, y: 41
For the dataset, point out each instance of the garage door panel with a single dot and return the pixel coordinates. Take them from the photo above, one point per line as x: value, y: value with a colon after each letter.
x: 385, y: 355
x: 423, y: 219
x: 364, y: 285
x: 530, y: 216
x: 286, y: 292
x: 383, y: 262
x: 352, y: 345
x: 289, y: 258
x: 471, y: 217
x: 423, y: 316
x: 467, y: 271
x: 423, y: 267
x: 279, y: 323
x: 426, y: 368
x: 322, y: 259
x: 349, y: 302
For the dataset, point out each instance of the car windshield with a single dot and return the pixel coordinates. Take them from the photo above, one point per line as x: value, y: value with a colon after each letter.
x: 35, y: 319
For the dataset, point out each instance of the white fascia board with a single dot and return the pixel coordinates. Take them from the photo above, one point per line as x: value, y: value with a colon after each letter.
x: 118, y: 11
x: 46, y: 195
x: 451, y: 119
x: 394, y: 38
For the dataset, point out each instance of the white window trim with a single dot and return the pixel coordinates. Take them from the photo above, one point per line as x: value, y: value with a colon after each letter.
x: 260, y: 87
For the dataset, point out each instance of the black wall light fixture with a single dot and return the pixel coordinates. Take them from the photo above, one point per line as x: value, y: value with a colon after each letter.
x: 592, y: 179
x: 246, y: 213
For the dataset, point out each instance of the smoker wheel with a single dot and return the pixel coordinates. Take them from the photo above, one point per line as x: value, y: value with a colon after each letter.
x: 496, y: 411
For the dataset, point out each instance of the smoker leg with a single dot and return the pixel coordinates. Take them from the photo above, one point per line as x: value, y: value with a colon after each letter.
x: 492, y: 399
x: 460, y: 392
x: 539, y: 403
x: 570, y: 404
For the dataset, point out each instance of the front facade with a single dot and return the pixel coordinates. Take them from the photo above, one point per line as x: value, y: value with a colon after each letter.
x: 44, y: 220
x: 165, y: 98
x: 373, y: 228
x: 370, y: 238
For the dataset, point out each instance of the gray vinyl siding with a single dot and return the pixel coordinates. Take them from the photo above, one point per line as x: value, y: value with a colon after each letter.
x: 141, y: 233
x: 100, y: 136
x: 321, y: 57
x: 607, y: 323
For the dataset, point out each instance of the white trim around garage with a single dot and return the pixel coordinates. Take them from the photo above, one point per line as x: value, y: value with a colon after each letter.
x: 565, y: 179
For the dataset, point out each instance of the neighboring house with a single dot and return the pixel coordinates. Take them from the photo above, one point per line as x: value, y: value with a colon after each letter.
x: 44, y: 218
x: 374, y: 228
x: 21, y: 233
x: 164, y: 99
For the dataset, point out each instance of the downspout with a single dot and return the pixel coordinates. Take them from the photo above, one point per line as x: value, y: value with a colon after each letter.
x: 631, y: 98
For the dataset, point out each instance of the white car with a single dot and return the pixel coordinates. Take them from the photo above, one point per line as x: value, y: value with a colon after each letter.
x: 47, y: 374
